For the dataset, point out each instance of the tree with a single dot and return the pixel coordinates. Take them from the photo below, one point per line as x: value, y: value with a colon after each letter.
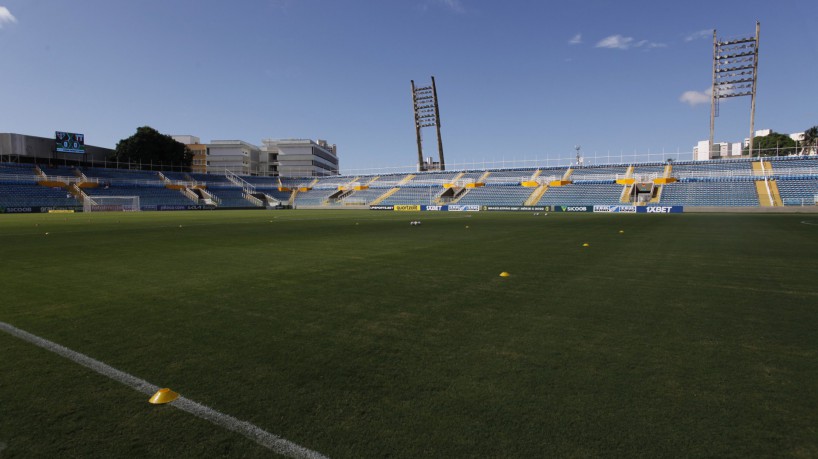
x: 149, y: 147
x: 774, y: 144
x: 810, y: 142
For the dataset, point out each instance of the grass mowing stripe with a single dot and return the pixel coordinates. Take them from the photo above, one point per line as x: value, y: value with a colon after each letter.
x: 272, y: 442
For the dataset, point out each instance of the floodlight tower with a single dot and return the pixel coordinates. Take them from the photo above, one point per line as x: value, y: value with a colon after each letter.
x: 735, y: 72
x: 427, y: 114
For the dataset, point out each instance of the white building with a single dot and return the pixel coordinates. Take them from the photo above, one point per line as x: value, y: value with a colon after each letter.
x: 720, y: 150
x: 298, y: 158
x: 236, y: 156
x: 724, y: 150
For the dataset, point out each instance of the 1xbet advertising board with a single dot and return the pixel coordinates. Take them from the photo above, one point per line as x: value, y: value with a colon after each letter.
x: 660, y: 210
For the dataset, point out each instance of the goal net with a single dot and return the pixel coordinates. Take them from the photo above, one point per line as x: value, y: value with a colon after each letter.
x: 111, y: 204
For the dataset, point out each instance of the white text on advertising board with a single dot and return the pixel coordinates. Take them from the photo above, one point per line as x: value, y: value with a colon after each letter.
x: 464, y: 208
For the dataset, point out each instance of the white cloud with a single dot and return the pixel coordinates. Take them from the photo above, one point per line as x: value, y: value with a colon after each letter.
x: 576, y: 39
x: 622, y: 42
x: 454, y: 5
x: 694, y: 98
x: 699, y: 35
x: 6, y: 17
x: 615, y: 42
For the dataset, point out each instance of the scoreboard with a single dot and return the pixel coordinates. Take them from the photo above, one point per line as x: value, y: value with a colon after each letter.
x: 69, y: 142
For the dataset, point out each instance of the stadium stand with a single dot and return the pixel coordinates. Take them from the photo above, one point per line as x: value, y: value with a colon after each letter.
x: 13, y: 171
x: 25, y: 194
x: 59, y: 171
x: 314, y: 197
x: 210, y: 179
x: 798, y: 192
x: 149, y: 195
x: 496, y: 195
x: 607, y: 193
x: 232, y: 197
x: 720, y: 183
x: 597, y: 173
x: 726, y: 192
x: 414, y: 195
x: 433, y: 178
x: 121, y: 175
x: 716, y: 168
x: 178, y: 176
x: 511, y: 176
x: 363, y: 197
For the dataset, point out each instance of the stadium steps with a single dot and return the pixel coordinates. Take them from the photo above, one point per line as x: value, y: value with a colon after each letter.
x: 40, y: 174
x: 190, y: 194
x: 535, y: 175
x: 759, y: 168
x: 768, y: 195
x: 372, y: 179
x: 77, y: 192
x: 567, y: 175
x: 658, y: 194
x: 767, y: 190
x: 536, y: 195
x: 627, y: 190
x: 210, y: 196
x: 483, y: 177
x: 776, y: 194
x: 406, y: 179
x: 457, y: 177
x: 459, y: 194
x: 659, y: 187
x: 254, y: 200
x: 382, y: 197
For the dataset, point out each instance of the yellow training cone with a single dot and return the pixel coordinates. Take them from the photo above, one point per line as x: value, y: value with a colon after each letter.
x: 163, y: 396
x: 621, y: 231
x: 586, y: 245
x: 504, y: 274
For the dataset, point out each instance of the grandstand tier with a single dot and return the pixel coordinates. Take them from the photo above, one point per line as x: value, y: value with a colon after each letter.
x: 787, y: 181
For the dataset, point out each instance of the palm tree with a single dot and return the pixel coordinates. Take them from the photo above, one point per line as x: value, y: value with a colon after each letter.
x: 810, y: 141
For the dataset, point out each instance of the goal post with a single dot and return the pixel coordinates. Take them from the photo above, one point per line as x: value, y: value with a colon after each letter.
x: 111, y: 204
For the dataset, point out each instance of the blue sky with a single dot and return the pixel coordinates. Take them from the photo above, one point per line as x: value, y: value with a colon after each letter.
x: 516, y: 79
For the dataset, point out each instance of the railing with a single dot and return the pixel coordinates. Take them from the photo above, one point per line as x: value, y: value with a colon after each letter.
x: 649, y: 177
x: 800, y: 201
x: 247, y: 187
x: 190, y: 194
x: 212, y: 197
x: 272, y: 199
x: 253, y: 199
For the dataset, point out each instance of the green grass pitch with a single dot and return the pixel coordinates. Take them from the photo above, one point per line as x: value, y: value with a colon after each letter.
x: 357, y: 335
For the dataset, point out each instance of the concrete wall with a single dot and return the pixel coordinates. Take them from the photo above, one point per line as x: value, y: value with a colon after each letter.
x: 30, y: 148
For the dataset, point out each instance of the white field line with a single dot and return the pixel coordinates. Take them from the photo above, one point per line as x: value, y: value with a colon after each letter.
x: 809, y: 223
x: 270, y: 441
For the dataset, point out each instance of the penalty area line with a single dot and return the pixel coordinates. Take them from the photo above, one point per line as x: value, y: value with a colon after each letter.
x: 262, y: 437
